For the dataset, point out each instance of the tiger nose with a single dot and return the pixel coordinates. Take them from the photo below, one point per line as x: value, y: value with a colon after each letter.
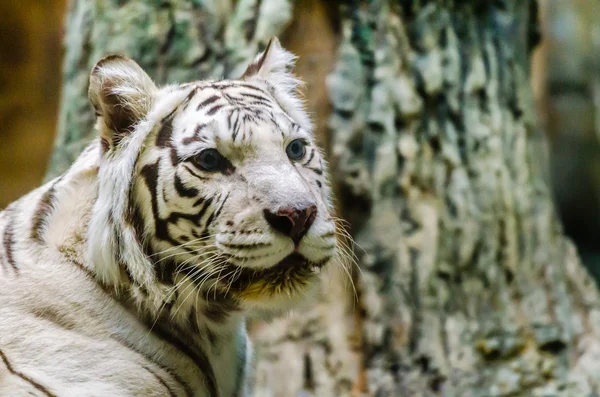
x: 292, y: 222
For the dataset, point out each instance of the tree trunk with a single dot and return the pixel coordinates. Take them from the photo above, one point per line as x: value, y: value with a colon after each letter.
x: 467, y: 286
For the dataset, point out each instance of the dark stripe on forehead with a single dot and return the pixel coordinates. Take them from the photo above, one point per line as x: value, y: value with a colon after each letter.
x: 188, y: 98
x: 246, y: 100
x: 237, y: 85
x: 257, y: 97
x: 8, y: 240
x: 208, y: 101
x: 197, y: 137
x: 164, y: 136
x: 24, y: 377
x: 236, y: 125
x: 213, y: 110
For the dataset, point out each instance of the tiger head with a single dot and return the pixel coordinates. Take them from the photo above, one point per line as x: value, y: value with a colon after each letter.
x: 217, y: 185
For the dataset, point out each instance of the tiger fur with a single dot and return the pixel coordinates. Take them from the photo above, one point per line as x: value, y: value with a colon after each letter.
x: 198, y: 204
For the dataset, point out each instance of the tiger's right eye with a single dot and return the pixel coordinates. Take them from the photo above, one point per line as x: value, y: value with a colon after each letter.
x: 209, y: 160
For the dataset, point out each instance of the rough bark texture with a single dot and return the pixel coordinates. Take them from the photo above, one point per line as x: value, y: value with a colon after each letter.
x: 467, y: 286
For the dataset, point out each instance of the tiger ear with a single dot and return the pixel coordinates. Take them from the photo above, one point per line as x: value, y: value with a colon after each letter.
x: 274, y: 66
x: 121, y: 94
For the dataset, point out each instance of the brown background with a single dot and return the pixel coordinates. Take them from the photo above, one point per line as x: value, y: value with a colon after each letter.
x: 30, y: 79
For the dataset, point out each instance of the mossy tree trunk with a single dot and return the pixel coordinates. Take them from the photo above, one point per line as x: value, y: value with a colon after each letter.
x: 467, y: 286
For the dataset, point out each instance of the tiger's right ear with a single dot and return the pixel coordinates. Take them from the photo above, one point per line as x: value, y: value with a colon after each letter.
x: 121, y: 93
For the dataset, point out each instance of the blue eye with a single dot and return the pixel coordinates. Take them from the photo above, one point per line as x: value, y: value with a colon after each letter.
x: 296, y: 149
x: 209, y: 160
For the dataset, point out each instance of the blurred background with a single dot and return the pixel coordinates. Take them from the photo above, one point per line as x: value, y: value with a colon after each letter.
x: 565, y: 79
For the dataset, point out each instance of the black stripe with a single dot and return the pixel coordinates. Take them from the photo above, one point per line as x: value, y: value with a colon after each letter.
x: 8, y: 240
x: 25, y: 377
x: 193, y: 320
x: 213, y: 216
x: 3, y: 264
x: 229, y: 119
x: 162, y: 382
x: 213, y: 110
x: 183, y: 190
x: 42, y: 212
x: 198, y: 202
x: 207, y: 225
x: 123, y: 342
x: 197, y: 355
x: 251, y: 100
x: 245, y: 246
x: 88, y: 272
x: 205, y: 206
x: 222, y: 205
x: 208, y: 101
x: 188, y: 98
x: 203, y: 178
x: 315, y: 170
x: 150, y: 175
x: 227, y: 85
x: 236, y: 126
x: 163, y: 138
x: 197, y: 137
x: 312, y: 154
x: 188, y: 390
x: 259, y: 98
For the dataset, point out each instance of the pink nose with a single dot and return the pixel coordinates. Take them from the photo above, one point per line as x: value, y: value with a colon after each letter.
x: 292, y: 222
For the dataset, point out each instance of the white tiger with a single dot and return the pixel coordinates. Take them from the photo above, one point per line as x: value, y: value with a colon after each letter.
x: 132, y: 273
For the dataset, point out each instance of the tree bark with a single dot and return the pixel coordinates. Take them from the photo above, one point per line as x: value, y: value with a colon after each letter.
x: 466, y: 285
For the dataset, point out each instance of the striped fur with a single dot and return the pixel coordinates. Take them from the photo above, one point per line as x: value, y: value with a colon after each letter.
x: 132, y: 273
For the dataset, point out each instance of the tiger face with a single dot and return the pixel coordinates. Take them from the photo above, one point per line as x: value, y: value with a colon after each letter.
x: 228, y: 190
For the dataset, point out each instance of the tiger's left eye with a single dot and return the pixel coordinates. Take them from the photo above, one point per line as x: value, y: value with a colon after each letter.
x: 296, y: 149
x: 209, y: 160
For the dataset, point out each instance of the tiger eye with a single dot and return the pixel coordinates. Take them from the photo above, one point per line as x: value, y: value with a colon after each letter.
x: 209, y: 160
x: 296, y: 149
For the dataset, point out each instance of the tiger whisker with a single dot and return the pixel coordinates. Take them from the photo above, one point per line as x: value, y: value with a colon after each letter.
x: 175, y: 288
x: 182, y: 245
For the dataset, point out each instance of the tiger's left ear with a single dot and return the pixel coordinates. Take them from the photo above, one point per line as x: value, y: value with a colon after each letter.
x: 274, y: 66
x: 121, y: 94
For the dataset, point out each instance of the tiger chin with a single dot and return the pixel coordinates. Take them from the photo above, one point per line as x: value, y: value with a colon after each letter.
x: 197, y: 205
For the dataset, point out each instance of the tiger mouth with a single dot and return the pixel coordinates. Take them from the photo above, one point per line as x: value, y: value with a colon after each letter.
x: 293, y: 270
